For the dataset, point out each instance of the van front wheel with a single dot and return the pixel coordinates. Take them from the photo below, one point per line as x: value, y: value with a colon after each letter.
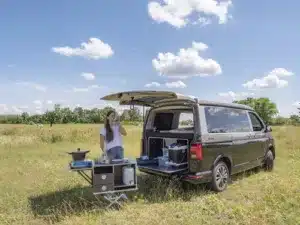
x: 220, y: 177
x: 269, y: 161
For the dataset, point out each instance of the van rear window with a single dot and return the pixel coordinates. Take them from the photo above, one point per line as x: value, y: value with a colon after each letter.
x: 163, y: 121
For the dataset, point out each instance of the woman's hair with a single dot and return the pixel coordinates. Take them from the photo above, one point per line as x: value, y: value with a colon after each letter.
x: 109, y: 133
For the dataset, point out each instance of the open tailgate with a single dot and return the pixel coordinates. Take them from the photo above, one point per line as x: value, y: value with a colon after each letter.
x: 144, y: 98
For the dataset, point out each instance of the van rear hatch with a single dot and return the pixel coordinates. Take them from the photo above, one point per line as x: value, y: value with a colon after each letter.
x: 146, y: 98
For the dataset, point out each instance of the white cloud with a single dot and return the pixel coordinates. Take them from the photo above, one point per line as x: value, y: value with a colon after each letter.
x: 49, y: 102
x: 86, y: 89
x: 36, y: 86
x: 39, y: 111
x: 152, y: 84
x: 3, y: 108
x: 297, y: 104
x: 37, y: 102
x: 202, y: 21
x: 93, y: 49
x: 23, y: 107
x: 271, y: 80
x: 230, y: 95
x: 80, y: 89
x: 186, y: 63
x: 16, y: 110
x: 176, y: 84
x: 88, y: 76
x: 178, y: 13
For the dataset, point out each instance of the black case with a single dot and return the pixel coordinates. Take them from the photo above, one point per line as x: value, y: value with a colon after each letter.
x: 178, y: 156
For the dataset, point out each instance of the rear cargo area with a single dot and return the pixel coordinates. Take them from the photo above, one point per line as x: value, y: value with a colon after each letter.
x: 166, y: 140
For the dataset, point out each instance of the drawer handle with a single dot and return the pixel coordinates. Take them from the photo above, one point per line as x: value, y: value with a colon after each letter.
x: 103, y: 177
x: 104, y: 188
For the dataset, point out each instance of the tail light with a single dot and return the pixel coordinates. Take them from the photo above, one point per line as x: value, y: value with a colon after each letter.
x: 196, y: 151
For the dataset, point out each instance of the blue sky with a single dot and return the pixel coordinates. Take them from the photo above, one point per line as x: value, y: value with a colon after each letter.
x: 129, y: 44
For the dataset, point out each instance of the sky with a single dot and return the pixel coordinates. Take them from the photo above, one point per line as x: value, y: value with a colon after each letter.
x: 74, y: 52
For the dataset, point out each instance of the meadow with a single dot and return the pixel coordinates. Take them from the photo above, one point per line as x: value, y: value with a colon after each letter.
x: 36, y: 187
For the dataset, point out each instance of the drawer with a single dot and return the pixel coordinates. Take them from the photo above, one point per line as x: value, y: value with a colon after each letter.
x: 104, y: 178
x: 103, y: 188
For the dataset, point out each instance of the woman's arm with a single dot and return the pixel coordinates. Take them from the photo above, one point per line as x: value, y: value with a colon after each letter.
x: 123, y: 130
x: 102, y: 142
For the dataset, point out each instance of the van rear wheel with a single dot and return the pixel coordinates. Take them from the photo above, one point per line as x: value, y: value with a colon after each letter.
x: 220, y: 177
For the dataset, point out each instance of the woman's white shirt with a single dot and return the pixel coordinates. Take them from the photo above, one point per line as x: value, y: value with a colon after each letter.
x: 117, y: 140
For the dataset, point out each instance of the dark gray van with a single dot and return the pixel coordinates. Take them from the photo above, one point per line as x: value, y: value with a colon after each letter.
x: 199, y: 141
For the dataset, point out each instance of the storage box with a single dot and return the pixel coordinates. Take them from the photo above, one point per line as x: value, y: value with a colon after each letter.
x: 178, y: 154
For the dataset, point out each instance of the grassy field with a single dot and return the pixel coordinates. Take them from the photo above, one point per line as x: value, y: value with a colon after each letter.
x: 36, y: 187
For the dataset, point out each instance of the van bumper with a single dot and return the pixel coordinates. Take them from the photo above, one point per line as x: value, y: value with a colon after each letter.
x: 198, y: 178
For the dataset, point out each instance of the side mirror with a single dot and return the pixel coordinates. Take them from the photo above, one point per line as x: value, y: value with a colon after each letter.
x: 268, y: 129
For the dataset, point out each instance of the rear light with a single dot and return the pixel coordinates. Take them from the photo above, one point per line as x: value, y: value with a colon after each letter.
x: 196, y: 151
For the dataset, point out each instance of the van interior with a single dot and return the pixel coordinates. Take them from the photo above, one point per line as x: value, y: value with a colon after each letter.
x: 168, y: 129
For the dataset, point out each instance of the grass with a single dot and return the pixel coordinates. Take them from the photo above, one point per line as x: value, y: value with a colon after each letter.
x: 36, y: 187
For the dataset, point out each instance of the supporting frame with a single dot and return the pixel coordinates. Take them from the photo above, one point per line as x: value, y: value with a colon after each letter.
x: 85, y: 176
x: 113, y: 199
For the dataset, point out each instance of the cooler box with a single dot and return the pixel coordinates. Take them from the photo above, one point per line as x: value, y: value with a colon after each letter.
x: 178, y: 154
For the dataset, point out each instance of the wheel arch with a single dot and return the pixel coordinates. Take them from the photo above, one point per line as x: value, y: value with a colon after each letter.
x: 226, y: 159
x: 272, y: 149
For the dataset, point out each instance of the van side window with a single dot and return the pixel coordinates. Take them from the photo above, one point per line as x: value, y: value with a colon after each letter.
x: 186, y: 120
x: 226, y: 120
x: 256, y: 123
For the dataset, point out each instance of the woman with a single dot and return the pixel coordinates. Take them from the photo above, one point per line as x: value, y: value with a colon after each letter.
x: 111, y: 135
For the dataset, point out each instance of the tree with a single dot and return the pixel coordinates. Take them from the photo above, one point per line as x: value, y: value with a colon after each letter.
x: 66, y: 115
x: 279, y: 120
x: 294, y: 119
x: 51, y: 117
x: 263, y: 106
x: 134, y: 114
x: 125, y: 115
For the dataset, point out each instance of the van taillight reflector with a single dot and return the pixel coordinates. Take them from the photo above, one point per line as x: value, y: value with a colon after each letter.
x: 196, y: 151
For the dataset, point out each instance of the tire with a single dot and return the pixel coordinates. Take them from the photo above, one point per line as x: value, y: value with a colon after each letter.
x: 220, y: 177
x: 269, y: 161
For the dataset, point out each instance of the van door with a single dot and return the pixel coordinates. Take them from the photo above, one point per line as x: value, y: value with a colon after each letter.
x: 215, y: 139
x: 228, y: 130
x: 259, y: 138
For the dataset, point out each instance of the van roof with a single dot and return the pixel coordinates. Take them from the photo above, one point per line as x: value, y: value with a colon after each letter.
x: 224, y: 104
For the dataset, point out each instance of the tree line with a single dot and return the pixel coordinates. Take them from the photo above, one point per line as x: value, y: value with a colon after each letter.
x: 63, y: 115
x: 268, y: 111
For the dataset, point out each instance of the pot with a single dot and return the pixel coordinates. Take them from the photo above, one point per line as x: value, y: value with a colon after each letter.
x: 78, y: 155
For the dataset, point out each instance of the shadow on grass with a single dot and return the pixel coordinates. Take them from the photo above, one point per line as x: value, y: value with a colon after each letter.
x: 54, y: 206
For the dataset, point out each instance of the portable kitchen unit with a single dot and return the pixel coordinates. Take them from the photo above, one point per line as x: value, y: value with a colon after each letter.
x: 110, y: 179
